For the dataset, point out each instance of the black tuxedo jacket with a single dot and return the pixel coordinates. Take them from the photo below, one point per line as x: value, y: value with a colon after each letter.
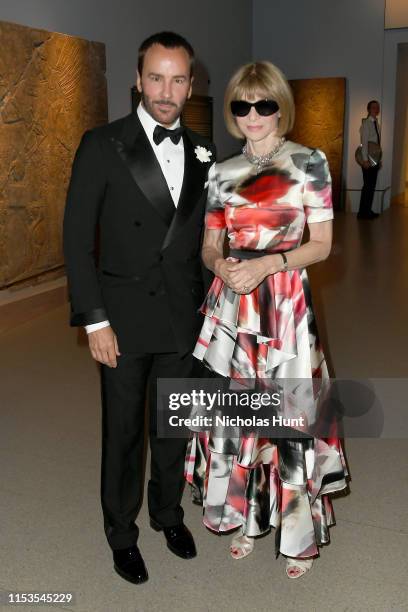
x: 146, y: 275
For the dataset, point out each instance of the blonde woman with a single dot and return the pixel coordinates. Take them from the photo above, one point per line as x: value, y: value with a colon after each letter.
x: 259, y: 322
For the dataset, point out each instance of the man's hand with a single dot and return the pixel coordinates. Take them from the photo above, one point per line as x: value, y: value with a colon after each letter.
x: 104, y: 347
x: 366, y: 164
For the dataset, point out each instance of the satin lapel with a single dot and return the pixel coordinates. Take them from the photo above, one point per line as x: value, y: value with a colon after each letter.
x: 193, y: 186
x: 135, y: 150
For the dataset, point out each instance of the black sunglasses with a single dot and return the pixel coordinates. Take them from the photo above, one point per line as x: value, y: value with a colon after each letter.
x: 265, y: 108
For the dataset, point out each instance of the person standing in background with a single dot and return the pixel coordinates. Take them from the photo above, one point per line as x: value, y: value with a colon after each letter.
x: 369, y: 132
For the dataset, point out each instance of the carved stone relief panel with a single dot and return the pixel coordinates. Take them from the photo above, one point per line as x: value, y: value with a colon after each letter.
x: 52, y: 88
x: 319, y: 122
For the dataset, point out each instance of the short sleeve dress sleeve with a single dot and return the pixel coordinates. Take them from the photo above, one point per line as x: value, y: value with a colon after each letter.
x: 317, y: 194
x: 215, y: 212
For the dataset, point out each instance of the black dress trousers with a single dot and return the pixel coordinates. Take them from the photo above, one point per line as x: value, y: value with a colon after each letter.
x: 123, y: 425
x: 367, y: 192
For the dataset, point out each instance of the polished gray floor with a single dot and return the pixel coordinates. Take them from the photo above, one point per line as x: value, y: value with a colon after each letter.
x: 51, y: 528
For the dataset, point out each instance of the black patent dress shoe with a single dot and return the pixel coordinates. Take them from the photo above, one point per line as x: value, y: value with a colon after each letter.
x: 129, y: 564
x: 179, y: 540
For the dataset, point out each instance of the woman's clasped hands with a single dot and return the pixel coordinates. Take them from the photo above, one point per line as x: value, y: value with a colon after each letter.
x: 244, y: 276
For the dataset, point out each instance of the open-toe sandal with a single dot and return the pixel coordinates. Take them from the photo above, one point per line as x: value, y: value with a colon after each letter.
x: 295, y: 568
x: 241, y: 546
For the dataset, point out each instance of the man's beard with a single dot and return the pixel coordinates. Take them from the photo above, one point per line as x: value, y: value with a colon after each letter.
x: 150, y: 106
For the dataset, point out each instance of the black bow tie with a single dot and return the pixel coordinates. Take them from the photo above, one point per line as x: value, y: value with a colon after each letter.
x: 160, y: 133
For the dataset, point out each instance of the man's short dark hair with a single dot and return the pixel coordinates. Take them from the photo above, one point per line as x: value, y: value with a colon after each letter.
x: 372, y: 102
x: 169, y: 40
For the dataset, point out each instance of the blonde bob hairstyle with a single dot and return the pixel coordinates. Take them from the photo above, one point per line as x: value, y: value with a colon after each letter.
x: 260, y: 80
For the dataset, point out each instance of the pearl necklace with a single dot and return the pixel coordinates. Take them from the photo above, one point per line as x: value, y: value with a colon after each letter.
x: 262, y: 160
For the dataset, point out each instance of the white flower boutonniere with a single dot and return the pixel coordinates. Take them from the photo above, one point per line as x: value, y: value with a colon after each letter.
x: 203, y: 154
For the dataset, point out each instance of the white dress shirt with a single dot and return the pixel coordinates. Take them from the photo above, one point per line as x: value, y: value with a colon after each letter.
x: 368, y: 134
x: 171, y: 159
x: 169, y: 155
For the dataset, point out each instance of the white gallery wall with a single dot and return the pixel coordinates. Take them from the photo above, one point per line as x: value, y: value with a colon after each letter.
x: 400, y: 152
x: 391, y: 106
x: 326, y: 38
x: 220, y: 32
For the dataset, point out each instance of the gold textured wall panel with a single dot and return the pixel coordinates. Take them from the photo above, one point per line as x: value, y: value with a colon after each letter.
x: 52, y: 88
x: 198, y: 115
x: 396, y: 14
x: 320, y: 106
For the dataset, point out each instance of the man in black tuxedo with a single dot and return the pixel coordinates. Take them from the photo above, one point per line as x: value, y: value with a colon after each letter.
x: 141, y: 181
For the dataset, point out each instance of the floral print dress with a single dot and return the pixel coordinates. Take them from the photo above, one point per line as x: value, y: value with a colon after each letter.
x: 270, y: 333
